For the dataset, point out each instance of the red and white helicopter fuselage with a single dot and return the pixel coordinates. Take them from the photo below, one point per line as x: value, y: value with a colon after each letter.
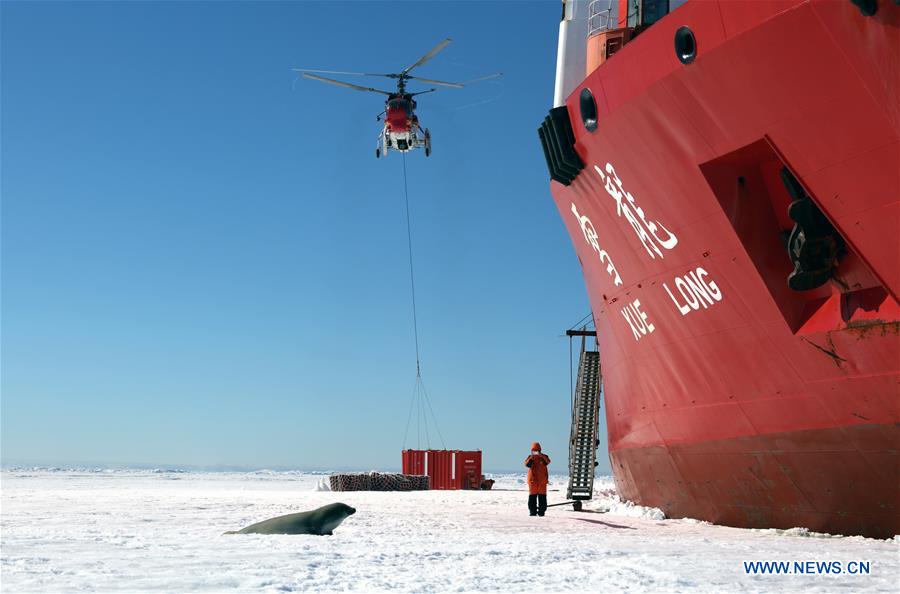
x: 402, y: 131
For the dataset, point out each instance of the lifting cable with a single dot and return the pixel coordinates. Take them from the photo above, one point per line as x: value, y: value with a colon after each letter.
x: 420, y: 395
x: 412, y: 277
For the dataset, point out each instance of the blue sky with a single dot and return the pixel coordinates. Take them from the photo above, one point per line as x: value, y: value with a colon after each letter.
x: 204, y: 264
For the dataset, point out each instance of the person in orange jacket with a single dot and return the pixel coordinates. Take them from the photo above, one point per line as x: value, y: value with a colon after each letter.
x: 537, y: 480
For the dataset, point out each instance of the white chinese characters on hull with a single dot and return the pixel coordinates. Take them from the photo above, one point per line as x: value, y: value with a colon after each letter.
x: 590, y: 236
x: 653, y: 234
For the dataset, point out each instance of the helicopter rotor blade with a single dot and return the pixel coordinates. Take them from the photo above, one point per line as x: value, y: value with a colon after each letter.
x: 302, y: 70
x: 343, y: 84
x: 434, y: 51
x: 438, y: 82
x: 423, y: 92
x: 481, y: 78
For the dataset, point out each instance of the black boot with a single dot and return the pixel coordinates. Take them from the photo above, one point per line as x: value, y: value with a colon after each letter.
x: 532, y: 505
x: 542, y: 504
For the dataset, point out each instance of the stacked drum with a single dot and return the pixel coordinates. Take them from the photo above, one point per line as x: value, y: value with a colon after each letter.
x: 378, y: 481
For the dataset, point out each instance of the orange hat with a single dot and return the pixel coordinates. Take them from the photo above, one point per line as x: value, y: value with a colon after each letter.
x: 536, y: 446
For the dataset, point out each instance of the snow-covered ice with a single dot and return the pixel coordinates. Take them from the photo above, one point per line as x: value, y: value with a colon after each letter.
x: 96, y: 530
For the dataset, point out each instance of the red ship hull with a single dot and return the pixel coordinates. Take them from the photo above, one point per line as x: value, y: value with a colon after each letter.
x: 730, y: 397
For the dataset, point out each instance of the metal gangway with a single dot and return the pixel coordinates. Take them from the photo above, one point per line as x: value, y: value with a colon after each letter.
x: 584, y: 433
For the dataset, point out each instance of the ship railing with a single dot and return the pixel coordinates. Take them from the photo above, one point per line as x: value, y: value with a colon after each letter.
x: 599, y: 16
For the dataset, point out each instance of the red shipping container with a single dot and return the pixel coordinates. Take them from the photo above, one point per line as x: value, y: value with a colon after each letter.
x: 468, y: 470
x: 440, y: 469
x: 414, y: 462
x: 446, y: 469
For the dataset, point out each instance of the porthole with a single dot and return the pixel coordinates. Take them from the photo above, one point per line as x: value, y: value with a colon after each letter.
x: 588, y: 109
x: 685, y: 45
x: 866, y: 7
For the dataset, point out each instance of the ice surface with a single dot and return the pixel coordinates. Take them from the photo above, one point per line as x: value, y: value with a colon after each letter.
x: 161, y: 530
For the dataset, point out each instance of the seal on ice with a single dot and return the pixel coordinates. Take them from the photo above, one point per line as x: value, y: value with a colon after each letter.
x: 318, y: 521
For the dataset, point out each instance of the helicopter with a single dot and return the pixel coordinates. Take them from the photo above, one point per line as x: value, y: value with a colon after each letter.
x: 402, y: 131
